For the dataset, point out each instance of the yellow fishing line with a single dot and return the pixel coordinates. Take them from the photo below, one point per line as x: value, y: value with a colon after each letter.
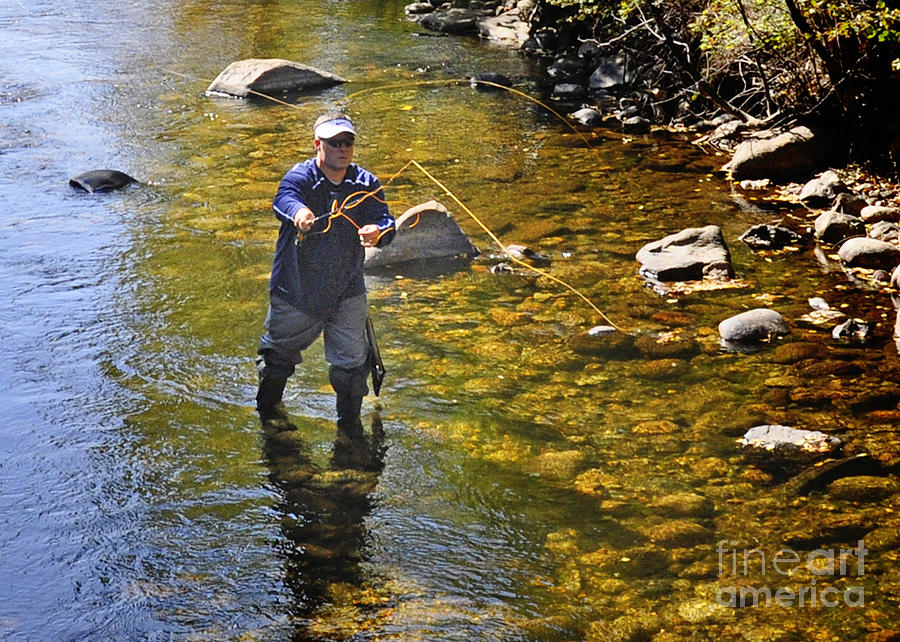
x: 500, y: 244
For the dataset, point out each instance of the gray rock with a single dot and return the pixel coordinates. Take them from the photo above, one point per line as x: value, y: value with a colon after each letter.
x: 792, y: 155
x: 787, y: 449
x: 610, y: 72
x: 418, y: 8
x: 588, y: 116
x: 565, y: 69
x: 683, y: 256
x: 834, y: 227
x: 822, y: 190
x: 875, y: 213
x: 869, y: 253
x: 636, y: 125
x: 506, y: 28
x: 753, y: 326
x: 569, y: 91
x: 849, y: 203
x: 424, y: 232
x: 451, y: 20
x: 886, y: 231
x: 267, y: 75
x: 851, y: 331
x: 769, y: 237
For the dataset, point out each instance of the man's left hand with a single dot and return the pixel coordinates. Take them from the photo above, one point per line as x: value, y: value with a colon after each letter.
x: 368, y: 235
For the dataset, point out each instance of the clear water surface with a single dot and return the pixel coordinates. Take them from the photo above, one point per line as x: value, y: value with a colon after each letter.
x: 525, y: 490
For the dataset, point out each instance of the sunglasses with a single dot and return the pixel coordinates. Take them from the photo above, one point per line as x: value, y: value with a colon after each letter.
x: 347, y: 142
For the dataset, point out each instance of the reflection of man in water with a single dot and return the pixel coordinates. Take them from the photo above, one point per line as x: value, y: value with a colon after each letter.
x: 323, y: 513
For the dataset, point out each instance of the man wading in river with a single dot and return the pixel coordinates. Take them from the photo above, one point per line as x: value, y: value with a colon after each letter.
x: 330, y: 209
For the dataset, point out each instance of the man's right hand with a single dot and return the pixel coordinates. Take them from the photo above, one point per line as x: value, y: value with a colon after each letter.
x: 304, y: 219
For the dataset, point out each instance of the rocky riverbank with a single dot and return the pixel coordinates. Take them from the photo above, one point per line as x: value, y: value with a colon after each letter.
x: 847, y: 216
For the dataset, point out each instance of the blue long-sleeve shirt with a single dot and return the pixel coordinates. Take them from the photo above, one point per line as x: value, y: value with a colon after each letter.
x: 327, y: 265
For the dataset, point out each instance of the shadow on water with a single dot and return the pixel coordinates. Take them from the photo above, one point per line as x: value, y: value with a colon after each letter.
x: 322, y: 511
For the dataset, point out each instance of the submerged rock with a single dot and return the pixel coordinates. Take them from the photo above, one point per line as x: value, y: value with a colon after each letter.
x: 818, y: 477
x: 605, y: 341
x: 863, y: 488
x: 830, y: 528
x: 558, y: 464
x: 489, y: 82
x: 885, y: 538
x: 679, y: 533
x: 683, y: 505
x: 672, y: 344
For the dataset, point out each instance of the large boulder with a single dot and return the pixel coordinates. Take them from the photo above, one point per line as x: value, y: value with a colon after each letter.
x: 792, y: 155
x: 269, y: 75
x: 424, y: 232
x: 688, y: 255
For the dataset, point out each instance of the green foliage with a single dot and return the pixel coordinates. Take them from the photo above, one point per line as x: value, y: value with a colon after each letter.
x: 585, y: 10
x: 725, y: 32
x: 865, y: 20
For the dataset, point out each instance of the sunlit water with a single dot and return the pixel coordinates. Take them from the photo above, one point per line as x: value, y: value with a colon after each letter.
x: 518, y: 492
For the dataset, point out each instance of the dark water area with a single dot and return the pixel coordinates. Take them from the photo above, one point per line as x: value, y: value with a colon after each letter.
x: 520, y: 489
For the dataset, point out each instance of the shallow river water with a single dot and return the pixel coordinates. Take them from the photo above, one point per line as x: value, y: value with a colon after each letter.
x: 522, y: 488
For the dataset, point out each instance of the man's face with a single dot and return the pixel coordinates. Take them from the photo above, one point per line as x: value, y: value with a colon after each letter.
x: 335, y: 153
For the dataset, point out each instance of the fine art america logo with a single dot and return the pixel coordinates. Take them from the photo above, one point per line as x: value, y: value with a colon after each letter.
x: 823, y: 564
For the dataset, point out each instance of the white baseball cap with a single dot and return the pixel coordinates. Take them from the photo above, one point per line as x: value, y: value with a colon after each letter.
x: 331, y: 125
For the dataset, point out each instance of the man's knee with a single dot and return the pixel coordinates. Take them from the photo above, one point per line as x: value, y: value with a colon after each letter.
x: 271, y: 363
